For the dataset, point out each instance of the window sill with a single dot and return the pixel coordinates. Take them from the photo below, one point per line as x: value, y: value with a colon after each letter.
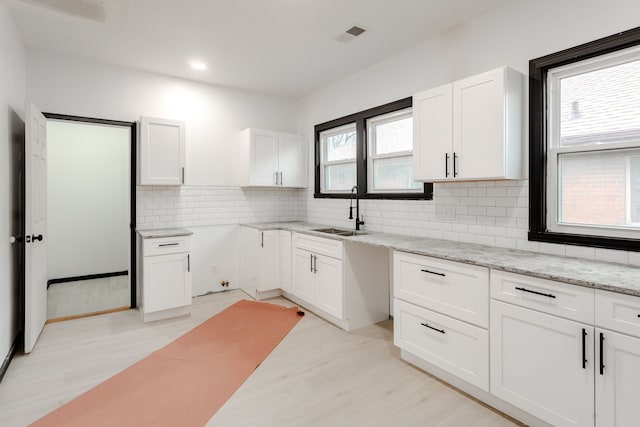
x: 583, y: 240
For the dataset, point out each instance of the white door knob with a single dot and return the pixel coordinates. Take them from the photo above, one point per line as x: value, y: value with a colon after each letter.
x: 12, y: 239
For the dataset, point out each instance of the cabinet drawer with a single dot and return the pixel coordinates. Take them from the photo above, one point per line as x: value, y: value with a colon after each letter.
x: 560, y: 299
x: 455, y: 289
x: 329, y: 247
x: 166, y: 245
x: 457, y: 347
x: 618, y: 312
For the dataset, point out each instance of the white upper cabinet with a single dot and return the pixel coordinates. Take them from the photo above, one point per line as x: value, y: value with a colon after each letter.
x: 273, y: 159
x: 161, y: 152
x: 470, y: 129
x: 432, y: 133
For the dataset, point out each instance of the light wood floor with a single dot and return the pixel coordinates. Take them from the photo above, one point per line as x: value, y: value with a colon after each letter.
x: 319, y: 375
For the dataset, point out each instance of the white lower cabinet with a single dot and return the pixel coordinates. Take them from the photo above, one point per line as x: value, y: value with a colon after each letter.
x: 304, y: 282
x: 166, y: 277
x: 454, y: 346
x: 618, y: 359
x: 441, y: 315
x: 284, y: 261
x: 542, y: 364
x: 265, y: 261
x: 617, y: 379
x: 318, y: 280
x: 167, y: 282
x: 329, y: 289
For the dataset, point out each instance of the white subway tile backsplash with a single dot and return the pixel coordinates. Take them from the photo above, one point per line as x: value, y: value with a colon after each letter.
x: 487, y: 213
x: 166, y: 207
x: 581, y: 252
x: 612, y: 256
x: 634, y: 258
x: 553, y: 249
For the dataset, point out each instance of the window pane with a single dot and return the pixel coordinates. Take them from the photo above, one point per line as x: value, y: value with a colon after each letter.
x: 394, y: 174
x: 340, y: 177
x: 395, y: 136
x: 601, y: 106
x: 600, y: 188
x: 341, y: 146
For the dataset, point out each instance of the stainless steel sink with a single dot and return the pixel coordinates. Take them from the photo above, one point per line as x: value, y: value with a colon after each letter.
x: 339, y: 232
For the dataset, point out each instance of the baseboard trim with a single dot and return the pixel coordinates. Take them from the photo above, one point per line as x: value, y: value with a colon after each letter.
x: 87, y: 277
x: 9, y: 357
x: 80, y: 316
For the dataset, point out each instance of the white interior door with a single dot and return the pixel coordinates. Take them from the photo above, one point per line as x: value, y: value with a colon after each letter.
x: 36, y: 226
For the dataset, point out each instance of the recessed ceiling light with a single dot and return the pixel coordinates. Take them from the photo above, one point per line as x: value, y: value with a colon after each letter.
x: 198, y: 65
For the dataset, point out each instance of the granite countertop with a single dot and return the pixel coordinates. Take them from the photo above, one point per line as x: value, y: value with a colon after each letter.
x: 608, y: 276
x: 165, y: 232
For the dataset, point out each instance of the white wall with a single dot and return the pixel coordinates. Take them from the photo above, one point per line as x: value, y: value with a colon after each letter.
x: 492, y: 213
x: 214, y: 115
x: 12, y: 97
x: 211, y: 204
x: 88, y: 200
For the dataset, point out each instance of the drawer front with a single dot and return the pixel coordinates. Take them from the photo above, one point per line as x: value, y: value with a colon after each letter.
x: 560, y: 299
x: 166, y: 245
x: 329, y: 247
x: 457, y: 347
x: 451, y: 288
x: 618, y: 312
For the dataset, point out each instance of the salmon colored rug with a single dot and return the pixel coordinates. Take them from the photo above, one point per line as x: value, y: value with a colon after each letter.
x: 188, y: 380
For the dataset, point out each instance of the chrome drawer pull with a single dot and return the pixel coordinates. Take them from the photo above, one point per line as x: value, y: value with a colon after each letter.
x: 431, y: 327
x: 535, y: 292
x: 168, y: 244
x: 433, y: 272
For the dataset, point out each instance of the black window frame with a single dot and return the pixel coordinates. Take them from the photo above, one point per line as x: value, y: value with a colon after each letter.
x: 360, y: 120
x: 538, y: 71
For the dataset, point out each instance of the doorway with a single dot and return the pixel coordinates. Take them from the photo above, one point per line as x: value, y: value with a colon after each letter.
x: 91, y: 216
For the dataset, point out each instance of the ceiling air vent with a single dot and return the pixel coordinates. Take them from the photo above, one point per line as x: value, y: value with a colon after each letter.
x: 351, y: 34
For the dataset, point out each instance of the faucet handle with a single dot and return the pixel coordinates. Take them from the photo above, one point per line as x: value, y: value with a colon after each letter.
x: 361, y: 221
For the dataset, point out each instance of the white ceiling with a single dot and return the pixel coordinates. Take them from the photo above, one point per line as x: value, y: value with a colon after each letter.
x: 285, y: 47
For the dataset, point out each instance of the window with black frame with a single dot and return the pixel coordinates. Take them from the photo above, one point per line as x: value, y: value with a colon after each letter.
x: 372, y: 150
x: 585, y: 144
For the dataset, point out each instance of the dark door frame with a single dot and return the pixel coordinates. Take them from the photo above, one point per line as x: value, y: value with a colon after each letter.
x: 133, y: 158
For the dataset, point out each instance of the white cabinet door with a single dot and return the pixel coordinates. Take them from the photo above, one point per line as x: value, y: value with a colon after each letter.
x: 304, y: 280
x: 452, y: 288
x: 264, y: 158
x: 478, y: 125
x: 537, y: 364
x: 432, y: 134
x: 268, y: 260
x: 162, y: 152
x: 167, y: 282
x: 454, y: 346
x: 329, y: 290
x: 617, y: 382
x: 486, y: 134
x: 285, y: 260
x: 291, y: 161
